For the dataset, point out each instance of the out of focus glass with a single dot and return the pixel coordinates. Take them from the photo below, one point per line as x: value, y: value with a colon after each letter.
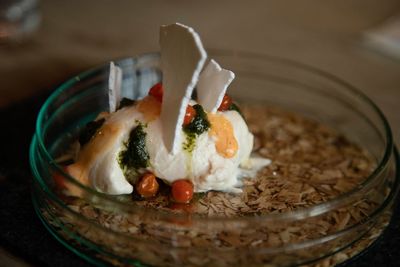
x: 18, y: 19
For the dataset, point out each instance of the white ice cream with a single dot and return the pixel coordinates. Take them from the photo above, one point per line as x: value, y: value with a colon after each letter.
x: 207, y: 169
x: 203, y: 166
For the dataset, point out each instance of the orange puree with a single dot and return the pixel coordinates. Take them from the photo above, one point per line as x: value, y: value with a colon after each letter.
x: 100, y: 143
x: 150, y: 107
x: 222, y: 130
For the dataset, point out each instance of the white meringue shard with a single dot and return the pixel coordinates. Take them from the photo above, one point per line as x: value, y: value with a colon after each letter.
x: 114, y: 87
x: 182, y: 58
x: 212, y: 85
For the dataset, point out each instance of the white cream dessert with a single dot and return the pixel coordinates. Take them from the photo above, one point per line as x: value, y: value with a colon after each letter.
x: 167, y: 134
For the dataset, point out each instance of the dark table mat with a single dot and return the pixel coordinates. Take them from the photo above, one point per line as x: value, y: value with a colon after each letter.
x: 23, y: 234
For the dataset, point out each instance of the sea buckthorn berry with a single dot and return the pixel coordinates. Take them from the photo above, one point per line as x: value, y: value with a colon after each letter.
x: 157, y: 91
x: 182, y: 191
x: 226, y: 103
x: 189, y: 115
x: 147, y: 186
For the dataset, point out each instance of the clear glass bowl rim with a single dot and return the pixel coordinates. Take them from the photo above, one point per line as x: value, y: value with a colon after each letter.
x: 298, y: 214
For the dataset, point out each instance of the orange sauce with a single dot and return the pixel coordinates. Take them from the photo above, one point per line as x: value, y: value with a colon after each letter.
x: 222, y: 130
x: 100, y: 142
x: 150, y: 107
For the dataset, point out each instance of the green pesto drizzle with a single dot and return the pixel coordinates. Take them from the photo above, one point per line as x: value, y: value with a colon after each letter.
x: 199, y: 124
x: 135, y: 154
x: 190, y: 143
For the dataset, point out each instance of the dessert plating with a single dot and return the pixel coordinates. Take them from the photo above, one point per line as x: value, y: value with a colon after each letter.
x: 202, y: 142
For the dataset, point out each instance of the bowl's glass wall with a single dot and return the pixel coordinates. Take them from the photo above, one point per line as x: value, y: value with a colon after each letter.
x: 259, y: 80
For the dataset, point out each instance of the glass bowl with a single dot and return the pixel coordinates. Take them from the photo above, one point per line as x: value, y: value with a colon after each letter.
x: 104, y: 229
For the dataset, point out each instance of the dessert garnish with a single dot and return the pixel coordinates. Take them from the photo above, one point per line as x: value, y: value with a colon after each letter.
x: 114, y: 86
x: 191, y: 145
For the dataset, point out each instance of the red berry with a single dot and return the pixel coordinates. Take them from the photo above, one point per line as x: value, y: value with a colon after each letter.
x: 189, y: 115
x: 182, y: 191
x: 147, y: 185
x: 157, y: 91
x: 226, y: 103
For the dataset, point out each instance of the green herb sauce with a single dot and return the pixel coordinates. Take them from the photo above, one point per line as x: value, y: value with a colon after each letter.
x: 199, y: 124
x: 190, y: 142
x: 135, y: 155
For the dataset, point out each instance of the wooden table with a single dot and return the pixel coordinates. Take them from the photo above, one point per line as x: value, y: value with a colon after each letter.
x: 75, y: 35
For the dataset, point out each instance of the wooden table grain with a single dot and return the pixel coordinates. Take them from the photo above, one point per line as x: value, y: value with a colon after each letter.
x: 76, y: 35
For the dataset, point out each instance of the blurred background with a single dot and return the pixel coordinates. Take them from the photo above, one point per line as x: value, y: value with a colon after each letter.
x: 66, y: 37
x: 75, y: 35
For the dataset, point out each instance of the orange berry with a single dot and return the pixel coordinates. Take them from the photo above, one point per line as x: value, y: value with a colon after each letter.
x: 189, y: 115
x: 182, y: 191
x: 147, y: 186
x: 157, y: 91
x: 226, y: 103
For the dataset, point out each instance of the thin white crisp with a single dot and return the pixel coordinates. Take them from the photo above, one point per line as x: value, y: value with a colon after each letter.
x: 114, y: 86
x: 212, y: 85
x: 182, y: 58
